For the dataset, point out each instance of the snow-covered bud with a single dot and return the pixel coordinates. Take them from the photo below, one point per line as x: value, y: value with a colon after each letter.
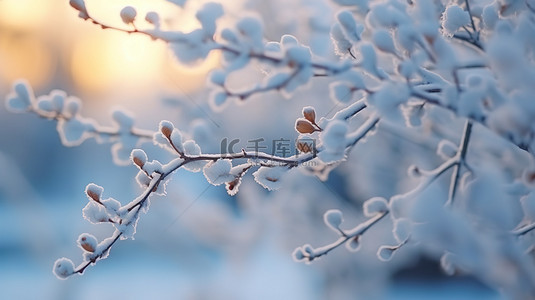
x: 353, y: 244
x: 63, y: 268
x: 385, y: 253
x: 374, y: 206
x: 153, y: 18
x: 309, y: 113
x: 166, y: 128
x: 269, y: 177
x: 446, y: 149
x: 218, y: 77
x: 128, y: 14
x: 349, y: 26
x: 139, y: 157
x: 333, y: 218
x: 454, y: 18
x: 79, y: 5
x: 304, y: 126
x: 94, y: 192
x: 218, y: 172
x: 413, y: 171
x: 87, y: 242
x: 299, y: 255
x: 383, y: 41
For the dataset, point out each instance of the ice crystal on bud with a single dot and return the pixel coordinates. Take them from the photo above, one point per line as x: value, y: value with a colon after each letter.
x: 63, y: 268
x: 128, y: 14
x: 375, y: 206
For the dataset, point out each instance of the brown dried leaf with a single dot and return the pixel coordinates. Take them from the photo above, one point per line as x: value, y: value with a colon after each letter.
x: 304, y: 126
x: 310, y: 114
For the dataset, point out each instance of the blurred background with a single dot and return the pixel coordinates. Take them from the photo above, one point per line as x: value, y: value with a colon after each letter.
x: 197, y: 242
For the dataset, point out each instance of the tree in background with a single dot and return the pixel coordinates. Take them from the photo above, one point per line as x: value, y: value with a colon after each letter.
x: 431, y: 118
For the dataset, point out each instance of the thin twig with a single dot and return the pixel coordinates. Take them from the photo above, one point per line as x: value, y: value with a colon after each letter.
x: 461, y: 157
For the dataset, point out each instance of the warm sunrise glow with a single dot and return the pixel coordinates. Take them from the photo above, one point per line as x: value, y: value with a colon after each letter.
x: 23, y: 14
x: 104, y: 59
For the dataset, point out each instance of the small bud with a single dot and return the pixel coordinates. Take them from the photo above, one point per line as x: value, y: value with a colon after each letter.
x: 153, y: 18
x: 166, y: 128
x: 333, y: 218
x: 385, y: 253
x: 94, y: 192
x: 298, y: 254
x: 309, y: 113
x: 353, y: 244
x: 304, y: 126
x: 63, y: 268
x: 79, y: 5
x: 374, y: 206
x: 87, y: 242
x: 139, y: 157
x: 413, y: 171
x: 128, y: 14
